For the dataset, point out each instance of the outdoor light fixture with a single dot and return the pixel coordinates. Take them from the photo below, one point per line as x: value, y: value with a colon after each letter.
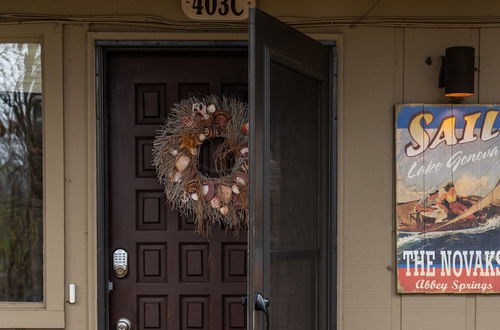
x: 457, y: 72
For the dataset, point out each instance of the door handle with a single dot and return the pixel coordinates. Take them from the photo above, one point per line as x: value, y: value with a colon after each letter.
x: 123, y: 324
x: 262, y: 304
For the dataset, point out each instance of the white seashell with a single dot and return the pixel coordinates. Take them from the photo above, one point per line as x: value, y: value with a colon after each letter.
x: 182, y: 162
x: 206, y: 117
x: 211, y: 108
x: 224, y: 210
x: 193, y: 151
x: 243, y: 149
x: 241, y: 178
x: 177, y: 177
x: 174, y: 152
x: 235, y: 189
x: 207, y: 191
x: 194, y: 196
x: 202, y: 137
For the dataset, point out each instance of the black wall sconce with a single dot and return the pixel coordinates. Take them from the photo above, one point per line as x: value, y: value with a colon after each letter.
x: 457, y: 72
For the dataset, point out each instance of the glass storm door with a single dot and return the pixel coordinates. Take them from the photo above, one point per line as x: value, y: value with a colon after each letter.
x: 289, y: 88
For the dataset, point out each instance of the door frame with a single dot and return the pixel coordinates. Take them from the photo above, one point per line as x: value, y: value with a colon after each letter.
x: 97, y: 45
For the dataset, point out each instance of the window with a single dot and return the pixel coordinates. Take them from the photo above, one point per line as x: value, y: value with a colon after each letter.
x: 31, y: 177
x: 21, y: 173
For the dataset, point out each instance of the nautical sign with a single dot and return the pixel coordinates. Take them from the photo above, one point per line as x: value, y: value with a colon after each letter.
x: 448, y: 198
x: 217, y: 10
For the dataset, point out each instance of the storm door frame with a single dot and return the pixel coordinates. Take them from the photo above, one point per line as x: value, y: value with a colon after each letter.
x: 101, y: 47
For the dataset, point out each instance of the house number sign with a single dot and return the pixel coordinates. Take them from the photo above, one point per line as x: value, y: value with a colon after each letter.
x: 217, y: 10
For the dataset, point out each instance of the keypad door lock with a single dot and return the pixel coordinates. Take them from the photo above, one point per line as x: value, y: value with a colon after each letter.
x: 120, y: 263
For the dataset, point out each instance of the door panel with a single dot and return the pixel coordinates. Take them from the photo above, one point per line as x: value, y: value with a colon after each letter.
x: 177, y: 279
x: 289, y: 157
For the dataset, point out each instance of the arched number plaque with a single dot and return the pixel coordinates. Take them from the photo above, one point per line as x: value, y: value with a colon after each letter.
x: 217, y: 10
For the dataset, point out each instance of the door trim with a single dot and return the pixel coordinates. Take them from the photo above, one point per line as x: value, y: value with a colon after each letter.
x: 102, y: 151
x: 97, y: 43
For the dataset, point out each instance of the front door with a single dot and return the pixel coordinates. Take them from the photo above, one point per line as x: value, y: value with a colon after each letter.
x: 176, y: 279
x: 290, y: 179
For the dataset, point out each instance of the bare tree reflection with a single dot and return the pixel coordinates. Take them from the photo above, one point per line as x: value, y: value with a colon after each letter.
x: 21, y: 190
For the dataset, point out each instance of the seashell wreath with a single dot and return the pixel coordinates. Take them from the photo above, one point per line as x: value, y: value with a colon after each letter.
x: 221, y: 200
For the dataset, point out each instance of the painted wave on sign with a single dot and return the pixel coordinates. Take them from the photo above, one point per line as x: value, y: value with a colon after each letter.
x: 484, y: 237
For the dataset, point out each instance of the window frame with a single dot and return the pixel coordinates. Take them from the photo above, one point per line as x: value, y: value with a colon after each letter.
x: 50, y: 312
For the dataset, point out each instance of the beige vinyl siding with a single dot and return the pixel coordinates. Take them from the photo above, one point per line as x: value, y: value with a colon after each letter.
x: 78, y: 244
x: 384, y: 67
x: 484, y: 308
x: 171, y: 9
x: 419, y: 83
x: 367, y: 285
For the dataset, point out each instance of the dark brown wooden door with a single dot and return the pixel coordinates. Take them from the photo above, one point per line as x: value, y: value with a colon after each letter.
x: 177, y: 279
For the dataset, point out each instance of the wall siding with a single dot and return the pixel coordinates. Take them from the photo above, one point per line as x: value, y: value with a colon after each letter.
x: 368, y: 76
x: 171, y: 9
x: 75, y: 121
x: 420, y: 86
x: 371, y: 57
x: 486, y: 308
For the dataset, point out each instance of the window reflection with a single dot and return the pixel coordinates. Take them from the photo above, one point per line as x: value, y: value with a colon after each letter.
x: 21, y: 182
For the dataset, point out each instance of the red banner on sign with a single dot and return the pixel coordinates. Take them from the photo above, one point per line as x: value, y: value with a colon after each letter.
x: 447, y: 284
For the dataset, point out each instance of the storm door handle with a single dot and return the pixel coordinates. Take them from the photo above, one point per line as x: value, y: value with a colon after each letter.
x: 261, y: 304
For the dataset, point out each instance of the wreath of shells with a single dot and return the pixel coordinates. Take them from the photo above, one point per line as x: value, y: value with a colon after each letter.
x: 221, y: 200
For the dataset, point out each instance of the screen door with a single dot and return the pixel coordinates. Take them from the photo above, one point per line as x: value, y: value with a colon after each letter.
x: 290, y: 116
